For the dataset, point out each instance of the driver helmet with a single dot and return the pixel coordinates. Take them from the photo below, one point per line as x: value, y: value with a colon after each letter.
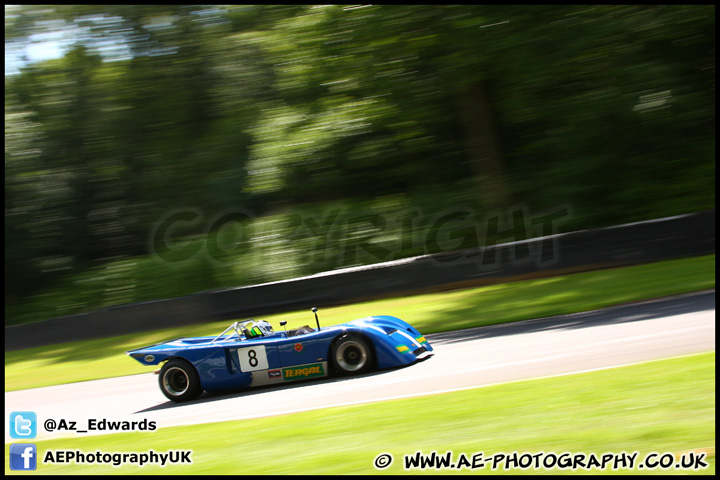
x: 264, y: 327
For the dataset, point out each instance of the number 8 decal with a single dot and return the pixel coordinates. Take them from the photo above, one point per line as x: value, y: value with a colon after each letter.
x: 252, y: 355
x: 252, y: 358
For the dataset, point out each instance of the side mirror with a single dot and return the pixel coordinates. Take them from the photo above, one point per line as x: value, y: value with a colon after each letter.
x: 314, y: 310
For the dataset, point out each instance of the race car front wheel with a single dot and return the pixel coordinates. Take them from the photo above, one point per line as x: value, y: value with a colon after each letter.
x: 179, y: 381
x: 352, y: 355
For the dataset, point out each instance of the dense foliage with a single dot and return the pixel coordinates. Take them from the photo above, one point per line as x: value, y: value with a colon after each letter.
x: 174, y: 149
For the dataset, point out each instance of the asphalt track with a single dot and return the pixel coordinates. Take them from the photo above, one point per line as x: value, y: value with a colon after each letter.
x: 463, y: 359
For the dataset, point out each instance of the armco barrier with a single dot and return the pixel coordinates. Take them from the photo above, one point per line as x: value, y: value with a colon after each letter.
x: 663, y: 239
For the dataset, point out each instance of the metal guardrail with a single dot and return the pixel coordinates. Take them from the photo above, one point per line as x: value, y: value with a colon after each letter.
x: 629, y: 244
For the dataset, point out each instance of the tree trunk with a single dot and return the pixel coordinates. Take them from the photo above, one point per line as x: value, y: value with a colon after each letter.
x: 483, y: 149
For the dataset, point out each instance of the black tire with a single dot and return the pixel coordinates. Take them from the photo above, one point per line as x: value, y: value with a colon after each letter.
x: 179, y: 381
x: 352, y: 355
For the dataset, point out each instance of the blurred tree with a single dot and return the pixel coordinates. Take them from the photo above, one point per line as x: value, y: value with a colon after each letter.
x: 28, y: 232
x: 577, y: 108
x: 385, y: 110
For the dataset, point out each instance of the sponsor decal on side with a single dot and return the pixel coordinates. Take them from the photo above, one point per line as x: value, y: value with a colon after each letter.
x: 305, y: 371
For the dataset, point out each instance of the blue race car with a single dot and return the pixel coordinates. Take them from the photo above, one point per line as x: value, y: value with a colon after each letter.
x: 250, y: 353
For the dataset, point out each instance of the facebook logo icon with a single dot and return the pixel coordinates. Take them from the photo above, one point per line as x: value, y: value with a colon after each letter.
x: 23, y: 425
x: 23, y: 456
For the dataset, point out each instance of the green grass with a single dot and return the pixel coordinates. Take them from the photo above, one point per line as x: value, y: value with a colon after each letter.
x: 660, y: 406
x: 430, y: 313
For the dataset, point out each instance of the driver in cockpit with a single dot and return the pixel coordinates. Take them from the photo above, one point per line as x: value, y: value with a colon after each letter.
x: 257, y: 329
x: 265, y: 328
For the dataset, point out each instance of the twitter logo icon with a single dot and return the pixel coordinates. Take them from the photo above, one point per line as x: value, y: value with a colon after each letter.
x: 23, y: 425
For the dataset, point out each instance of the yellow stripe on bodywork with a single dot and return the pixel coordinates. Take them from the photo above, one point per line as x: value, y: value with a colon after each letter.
x: 402, y: 348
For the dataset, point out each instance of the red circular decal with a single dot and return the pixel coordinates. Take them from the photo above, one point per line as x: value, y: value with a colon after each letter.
x: 298, y: 347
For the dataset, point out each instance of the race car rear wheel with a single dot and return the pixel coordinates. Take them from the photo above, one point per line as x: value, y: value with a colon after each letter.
x: 179, y: 381
x: 352, y: 354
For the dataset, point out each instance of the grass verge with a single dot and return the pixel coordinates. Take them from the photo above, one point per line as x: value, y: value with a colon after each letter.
x: 430, y: 313
x: 665, y: 406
